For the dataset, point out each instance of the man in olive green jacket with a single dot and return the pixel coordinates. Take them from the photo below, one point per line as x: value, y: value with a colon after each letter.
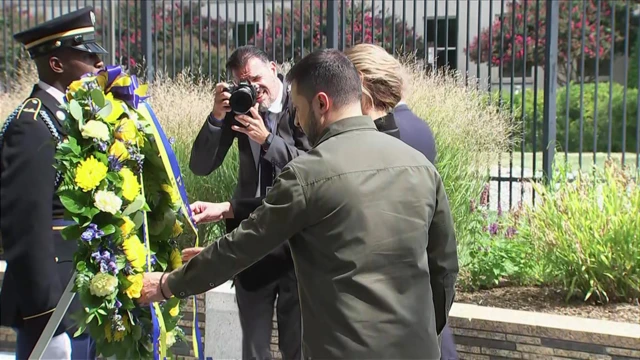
x: 370, y: 226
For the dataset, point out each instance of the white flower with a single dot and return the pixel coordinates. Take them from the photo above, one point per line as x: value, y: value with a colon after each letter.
x: 95, y: 129
x: 170, y: 339
x: 103, y: 284
x: 107, y: 201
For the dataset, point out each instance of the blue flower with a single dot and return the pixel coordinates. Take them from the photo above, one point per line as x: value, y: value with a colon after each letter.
x: 91, y: 232
x: 118, y: 304
x: 114, y: 163
x: 172, y: 140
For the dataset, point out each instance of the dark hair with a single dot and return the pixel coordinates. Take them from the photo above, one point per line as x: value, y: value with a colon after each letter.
x: 329, y: 71
x: 241, y: 55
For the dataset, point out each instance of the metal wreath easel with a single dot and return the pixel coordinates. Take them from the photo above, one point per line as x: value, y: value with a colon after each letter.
x: 54, y: 320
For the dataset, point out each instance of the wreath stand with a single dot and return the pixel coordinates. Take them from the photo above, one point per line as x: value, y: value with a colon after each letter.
x: 54, y: 320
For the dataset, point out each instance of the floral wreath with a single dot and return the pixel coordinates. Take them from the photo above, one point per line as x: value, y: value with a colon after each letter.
x: 128, y: 207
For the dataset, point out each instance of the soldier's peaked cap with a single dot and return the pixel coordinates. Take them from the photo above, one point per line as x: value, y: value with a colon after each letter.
x: 74, y: 30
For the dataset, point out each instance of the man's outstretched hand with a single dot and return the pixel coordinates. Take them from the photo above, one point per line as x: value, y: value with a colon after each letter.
x: 189, y: 253
x: 206, y: 212
x: 151, y: 288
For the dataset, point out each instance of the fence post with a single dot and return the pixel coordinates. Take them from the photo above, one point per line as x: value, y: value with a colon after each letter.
x: 332, y: 24
x: 550, y: 87
x: 112, y: 31
x: 146, y: 8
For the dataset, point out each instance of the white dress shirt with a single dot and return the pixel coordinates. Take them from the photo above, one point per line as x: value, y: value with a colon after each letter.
x: 57, y: 94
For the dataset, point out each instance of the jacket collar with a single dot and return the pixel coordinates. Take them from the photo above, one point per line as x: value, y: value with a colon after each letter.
x: 387, y: 125
x: 55, y: 108
x: 345, y: 125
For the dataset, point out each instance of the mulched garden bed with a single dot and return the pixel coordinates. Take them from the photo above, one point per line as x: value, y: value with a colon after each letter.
x: 548, y: 300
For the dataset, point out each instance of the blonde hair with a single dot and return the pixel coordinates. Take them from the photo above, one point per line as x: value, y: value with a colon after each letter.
x: 382, y: 76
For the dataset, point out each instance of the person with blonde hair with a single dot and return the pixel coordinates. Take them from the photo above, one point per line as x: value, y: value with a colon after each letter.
x: 383, y: 85
x: 382, y: 78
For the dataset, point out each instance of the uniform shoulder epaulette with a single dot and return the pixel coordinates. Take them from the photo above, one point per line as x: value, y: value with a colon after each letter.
x: 30, y: 108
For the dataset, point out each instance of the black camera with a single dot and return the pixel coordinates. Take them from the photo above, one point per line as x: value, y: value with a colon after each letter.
x: 243, y: 97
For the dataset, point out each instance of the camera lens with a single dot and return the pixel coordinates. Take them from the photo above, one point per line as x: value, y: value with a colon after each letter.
x: 242, y: 99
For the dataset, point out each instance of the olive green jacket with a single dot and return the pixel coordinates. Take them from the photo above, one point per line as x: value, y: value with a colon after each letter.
x: 372, y: 240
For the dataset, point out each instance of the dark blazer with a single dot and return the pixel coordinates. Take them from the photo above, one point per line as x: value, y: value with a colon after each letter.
x: 415, y: 132
x: 39, y: 260
x: 389, y: 125
x: 209, y: 151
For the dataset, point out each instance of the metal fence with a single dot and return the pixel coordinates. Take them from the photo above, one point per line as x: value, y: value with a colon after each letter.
x: 566, y: 70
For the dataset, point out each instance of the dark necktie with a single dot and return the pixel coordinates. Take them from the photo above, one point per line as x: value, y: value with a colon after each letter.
x: 266, y: 169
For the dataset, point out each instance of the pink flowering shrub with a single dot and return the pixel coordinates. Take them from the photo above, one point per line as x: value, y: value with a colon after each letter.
x: 308, y: 29
x: 503, y: 44
x: 181, y: 37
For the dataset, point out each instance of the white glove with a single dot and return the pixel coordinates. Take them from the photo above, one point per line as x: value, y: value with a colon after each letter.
x: 59, y: 348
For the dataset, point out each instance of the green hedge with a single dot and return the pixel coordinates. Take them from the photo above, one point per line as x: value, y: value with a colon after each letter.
x: 588, y: 116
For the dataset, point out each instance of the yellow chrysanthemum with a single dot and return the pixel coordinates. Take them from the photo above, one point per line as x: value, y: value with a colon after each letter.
x: 127, y: 226
x: 176, y: 259
x: 107, y: 201
x: 130, y: 185
x: 127, y: 130
x: 90, y: 173
x: 95, y: 129
x: 172, y: 192
x: 119, y: 150
x: 135, y: 251
x: 177, y: 229
x: 117, y: 334
x: 103, y: 284
x: 133, y: 291
x: 174, y: 311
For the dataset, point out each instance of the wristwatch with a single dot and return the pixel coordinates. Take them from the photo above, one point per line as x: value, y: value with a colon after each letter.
x: 267, y: 142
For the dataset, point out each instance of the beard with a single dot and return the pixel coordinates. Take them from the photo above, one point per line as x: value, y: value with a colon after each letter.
x: 313, y: 128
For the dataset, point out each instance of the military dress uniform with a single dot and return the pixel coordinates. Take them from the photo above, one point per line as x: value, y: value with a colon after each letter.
x: 39, y: 260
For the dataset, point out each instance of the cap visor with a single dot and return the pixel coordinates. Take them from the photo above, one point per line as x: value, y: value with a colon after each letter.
x: 91, y: 47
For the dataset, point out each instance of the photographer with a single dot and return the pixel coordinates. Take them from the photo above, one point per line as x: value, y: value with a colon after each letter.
x: 267, y: 141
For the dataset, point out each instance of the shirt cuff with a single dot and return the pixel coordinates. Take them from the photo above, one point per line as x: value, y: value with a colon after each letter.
x: 214, y: 122
x: 176, y: 285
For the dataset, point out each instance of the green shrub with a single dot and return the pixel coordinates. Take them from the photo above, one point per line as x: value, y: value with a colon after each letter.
x: 494, y: 254
x: 586, y: 234
x: 469, y: 136
x: 588, y: 115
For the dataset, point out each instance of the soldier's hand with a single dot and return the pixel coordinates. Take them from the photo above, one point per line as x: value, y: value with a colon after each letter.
x: 221, y: 101
x: 189, y: 253
x: 206, y: 212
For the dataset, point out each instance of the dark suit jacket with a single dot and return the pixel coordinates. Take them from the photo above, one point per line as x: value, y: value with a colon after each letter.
x: 415, y: 132
x: 208, y: 153
x: 39, y: 260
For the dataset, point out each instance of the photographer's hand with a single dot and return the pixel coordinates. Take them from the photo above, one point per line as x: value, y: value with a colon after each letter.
x: 221, y: 101
x: 254, y: 126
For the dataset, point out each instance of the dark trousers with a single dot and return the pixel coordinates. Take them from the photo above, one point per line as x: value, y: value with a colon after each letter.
x: 448, y: 345
x: 82, y: 347
x: 256, y: 318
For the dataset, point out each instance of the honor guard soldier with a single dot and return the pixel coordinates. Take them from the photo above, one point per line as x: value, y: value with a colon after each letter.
x: 39, y: 260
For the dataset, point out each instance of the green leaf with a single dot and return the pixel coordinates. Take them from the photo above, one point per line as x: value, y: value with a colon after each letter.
x: 136, y: 205
x: 121, y: 261
x: 76, y: 111
x: 114, y: 178
x: 81, y: 266
x: 101, y: 311
x: 98, y: 97
x: 72, y: 232
x: 138, y: 219
x: 109, y: 229
x: 72, y: 202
